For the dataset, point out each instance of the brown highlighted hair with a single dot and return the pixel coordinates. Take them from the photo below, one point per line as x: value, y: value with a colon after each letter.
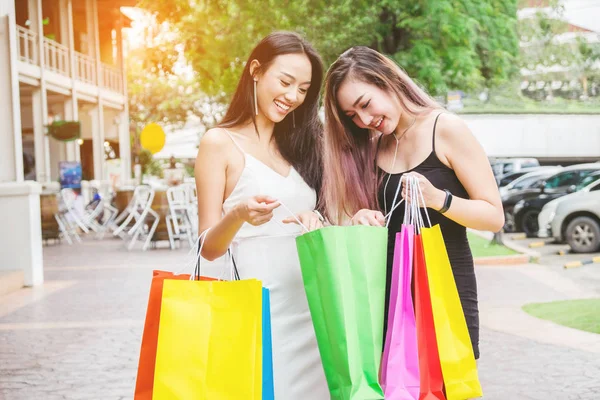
x: 350, y: 180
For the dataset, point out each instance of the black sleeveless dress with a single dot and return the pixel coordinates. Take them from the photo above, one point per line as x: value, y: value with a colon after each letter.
x: 455, y: 235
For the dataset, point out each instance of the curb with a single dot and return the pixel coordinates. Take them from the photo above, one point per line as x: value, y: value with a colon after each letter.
x: 502, y: 260
x: 524, y: 257
x: 513, y: 245
x: 575, y: 264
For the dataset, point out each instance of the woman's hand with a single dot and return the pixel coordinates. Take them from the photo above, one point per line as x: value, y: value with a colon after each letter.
x: 257, y: 210
x: 368, y: 217
x: 309, y: 219
x: 434, y: 197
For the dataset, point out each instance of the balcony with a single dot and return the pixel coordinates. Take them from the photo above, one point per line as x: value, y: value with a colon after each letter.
x: 57, y: 60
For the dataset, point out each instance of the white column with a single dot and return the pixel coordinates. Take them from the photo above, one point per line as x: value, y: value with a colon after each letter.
x: 124, y: 136
x: 40, y: 120
x: 71, y: 114
x: 97, y: 115
x: 21, y: 230
x: 11, y: 144
x: 40, y: 100
x: 71, y: 109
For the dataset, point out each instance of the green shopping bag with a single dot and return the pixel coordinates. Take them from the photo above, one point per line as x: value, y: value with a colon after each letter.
x: 344, y: 273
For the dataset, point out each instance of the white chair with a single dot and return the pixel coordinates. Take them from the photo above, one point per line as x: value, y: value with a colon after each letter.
x: 193, y: 208
x: 70, y: 202
x: 178, y: 221
x: 141, y: 209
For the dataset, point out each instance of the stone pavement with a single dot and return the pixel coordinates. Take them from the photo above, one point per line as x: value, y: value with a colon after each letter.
x: 78, y: 336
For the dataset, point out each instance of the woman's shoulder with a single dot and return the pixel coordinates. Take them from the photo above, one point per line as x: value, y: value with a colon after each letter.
x: 215, y: 139
x: 450, y: 126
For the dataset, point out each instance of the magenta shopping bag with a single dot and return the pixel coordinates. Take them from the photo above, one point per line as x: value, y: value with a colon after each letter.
x: 400, y: 363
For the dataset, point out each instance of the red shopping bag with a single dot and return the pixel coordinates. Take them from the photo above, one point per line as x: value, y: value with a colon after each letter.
x: 432, y: 382
x: 145, y: 377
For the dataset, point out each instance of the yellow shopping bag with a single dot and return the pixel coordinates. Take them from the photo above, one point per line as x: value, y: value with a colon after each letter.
x: 456, y: 352
x: 209, y: 341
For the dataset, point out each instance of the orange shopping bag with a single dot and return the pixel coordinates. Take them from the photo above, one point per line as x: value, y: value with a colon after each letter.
x: 145, y: 377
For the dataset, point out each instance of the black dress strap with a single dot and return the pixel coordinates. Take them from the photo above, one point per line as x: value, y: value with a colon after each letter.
x: 377, y: 150
x: 433, y: 139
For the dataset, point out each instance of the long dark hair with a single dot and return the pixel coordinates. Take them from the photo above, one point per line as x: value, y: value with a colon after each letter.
x: 299, y: 145
x: 351, y: 179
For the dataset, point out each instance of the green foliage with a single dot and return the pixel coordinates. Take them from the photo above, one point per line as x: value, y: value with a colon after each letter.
x: 444, y: 44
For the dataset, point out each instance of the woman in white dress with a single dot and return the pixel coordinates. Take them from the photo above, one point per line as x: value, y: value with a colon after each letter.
x: 258, y: 167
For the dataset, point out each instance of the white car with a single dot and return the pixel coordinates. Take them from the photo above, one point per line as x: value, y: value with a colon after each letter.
x: 550, y: 225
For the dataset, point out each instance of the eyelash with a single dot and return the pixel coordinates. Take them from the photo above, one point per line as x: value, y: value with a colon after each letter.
x: 364, y: 106
x: 286, y: 84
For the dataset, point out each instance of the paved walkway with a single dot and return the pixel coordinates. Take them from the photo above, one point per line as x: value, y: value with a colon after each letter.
x: 78, y: 336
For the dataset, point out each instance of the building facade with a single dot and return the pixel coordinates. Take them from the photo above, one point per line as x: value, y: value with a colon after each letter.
x: 59, y: 60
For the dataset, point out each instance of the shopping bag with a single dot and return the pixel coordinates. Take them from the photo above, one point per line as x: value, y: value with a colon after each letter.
x: 268, y: 388
x: 344, y: 274
x: 400, y: 362
x: 455, y: 349
x: 145, y: 375
x: 432, y: 382
x: 210, y: 341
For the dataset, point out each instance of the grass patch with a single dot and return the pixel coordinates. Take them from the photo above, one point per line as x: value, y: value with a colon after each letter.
x: 481, y: 247
x: 578, y: 314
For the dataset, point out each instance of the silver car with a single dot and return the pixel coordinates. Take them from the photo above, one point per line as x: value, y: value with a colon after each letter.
x: 574, y: 218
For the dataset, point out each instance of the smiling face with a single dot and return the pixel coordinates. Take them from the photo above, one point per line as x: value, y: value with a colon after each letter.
x: 283, y: 86
x: 368, y: 106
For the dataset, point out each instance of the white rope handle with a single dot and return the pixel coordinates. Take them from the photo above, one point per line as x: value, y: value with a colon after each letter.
x: 200, y: 246
x: 293, y: 215
x: 388, y: 217
x: 420, y: 194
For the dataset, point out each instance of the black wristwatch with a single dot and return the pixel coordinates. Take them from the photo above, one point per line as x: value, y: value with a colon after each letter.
x: 447, y: 202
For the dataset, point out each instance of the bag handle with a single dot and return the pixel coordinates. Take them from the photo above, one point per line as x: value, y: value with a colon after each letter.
x: 201, y: 239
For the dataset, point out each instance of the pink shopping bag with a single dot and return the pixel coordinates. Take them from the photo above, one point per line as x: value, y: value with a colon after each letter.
x: 400, y: 364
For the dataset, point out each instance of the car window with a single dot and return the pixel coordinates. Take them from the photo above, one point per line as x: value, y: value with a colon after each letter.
x: 563, y: 179
x: 530, y: 163
x: 508, y: 167
x: 587, y: 180
x: 527, y: 182
x: 596, y: 187
x: 508, y: 179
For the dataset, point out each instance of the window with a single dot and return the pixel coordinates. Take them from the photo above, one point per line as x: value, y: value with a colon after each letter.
x: 562, y: 179
x: 528, y: 182
x: 588, y: 180
x: 508, y: 167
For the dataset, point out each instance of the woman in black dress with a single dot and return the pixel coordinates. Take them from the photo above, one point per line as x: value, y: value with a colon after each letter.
x: 381, y: 127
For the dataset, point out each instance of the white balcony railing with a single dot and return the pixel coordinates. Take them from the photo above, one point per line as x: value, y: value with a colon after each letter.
x: 27, y: 48
x: 85, y: 68
x: 56, y: 57
x: 112, y: 78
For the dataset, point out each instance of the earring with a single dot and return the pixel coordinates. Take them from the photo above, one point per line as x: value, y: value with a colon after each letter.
x: 294, y: 119
x: 255, y: 102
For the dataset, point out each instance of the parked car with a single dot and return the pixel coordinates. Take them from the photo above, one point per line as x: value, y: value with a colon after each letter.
x: 507, y: 179
x: 502, y: 166
x: 591, y: 183
x: 524, y: 187
x: 577, y: 221
x: 526, y: 211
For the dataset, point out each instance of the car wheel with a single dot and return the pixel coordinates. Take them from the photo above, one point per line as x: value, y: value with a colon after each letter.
x: 583, y: 235
x: 529, y: 223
